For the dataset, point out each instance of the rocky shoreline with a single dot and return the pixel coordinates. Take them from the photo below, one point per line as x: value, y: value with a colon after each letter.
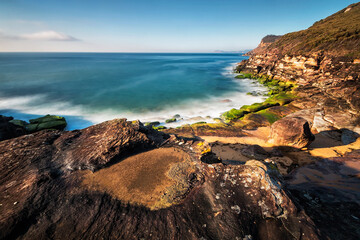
x: 248, y: 176
x: 286, y: 168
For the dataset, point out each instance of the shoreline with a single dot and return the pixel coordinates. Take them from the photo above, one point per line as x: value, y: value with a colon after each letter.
x: 191, y: 111
x: 264, y: 84
x: 284, y: 167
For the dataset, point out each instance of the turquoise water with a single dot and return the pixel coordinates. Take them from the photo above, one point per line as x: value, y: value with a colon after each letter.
x: 89, y: 88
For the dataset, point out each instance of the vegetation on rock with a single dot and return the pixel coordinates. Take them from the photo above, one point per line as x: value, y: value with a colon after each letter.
x: 46, y: 122
x: 280, y: 93
x: 151, y: 124
x: 170, y: 120
x: 337, y: 35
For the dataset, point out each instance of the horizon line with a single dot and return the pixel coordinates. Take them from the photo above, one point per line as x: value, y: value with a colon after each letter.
x: 240, y: 51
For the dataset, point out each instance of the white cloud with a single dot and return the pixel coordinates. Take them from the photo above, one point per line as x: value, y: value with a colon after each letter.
x: 48, y: 36
x: 43, y: 36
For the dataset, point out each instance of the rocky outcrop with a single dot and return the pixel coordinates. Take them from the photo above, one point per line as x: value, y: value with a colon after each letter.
x: 46, y: 122
x: 327, y: 74
x: 291, y: 131
x: 120, y: 180
x: 265, y: 42
x: 8, y: 129
x: 316, y: 68
x: 11, y: 128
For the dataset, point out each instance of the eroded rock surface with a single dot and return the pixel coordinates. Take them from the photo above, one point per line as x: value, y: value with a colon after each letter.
x: 119, y: 180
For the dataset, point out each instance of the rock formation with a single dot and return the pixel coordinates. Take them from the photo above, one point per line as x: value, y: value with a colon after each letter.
x: 8, y: 129
x: 327, y: 75
x: 291, y: 131
x: 120, y: 180
x: 124, y: 180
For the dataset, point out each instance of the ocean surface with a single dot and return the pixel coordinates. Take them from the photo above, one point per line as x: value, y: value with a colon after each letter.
x: 89, y: 88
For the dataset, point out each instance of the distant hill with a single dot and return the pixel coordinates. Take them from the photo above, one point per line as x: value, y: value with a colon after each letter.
x: 265, y: 42
x: 336, y: 35
x: 239, y: 51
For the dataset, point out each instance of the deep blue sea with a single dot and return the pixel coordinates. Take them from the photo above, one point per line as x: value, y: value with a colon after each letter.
x: 89, y: 88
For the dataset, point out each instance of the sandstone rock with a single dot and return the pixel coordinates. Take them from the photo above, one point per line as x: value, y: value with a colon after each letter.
x: 294, y: 132
x: 73, y: 185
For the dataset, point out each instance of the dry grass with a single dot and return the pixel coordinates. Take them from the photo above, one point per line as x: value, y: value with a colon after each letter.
x: 338, y: 35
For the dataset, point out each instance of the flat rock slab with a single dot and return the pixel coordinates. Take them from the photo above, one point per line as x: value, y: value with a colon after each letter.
x: 153, y: 179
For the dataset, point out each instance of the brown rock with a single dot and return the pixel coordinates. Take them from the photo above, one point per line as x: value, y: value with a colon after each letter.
x: 294, y: 132
x: 45, y: 193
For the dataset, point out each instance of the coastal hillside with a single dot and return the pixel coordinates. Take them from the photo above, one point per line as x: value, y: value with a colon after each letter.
x: 324, y: 55
x: 336, y: 35
x: 286, y: 168
x: 264, y: 44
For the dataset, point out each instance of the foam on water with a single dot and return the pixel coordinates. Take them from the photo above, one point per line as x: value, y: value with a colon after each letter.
x: 190, y: 110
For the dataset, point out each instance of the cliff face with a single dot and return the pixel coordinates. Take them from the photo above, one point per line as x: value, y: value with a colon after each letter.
x: 328, y: 50
x: 316, y: 68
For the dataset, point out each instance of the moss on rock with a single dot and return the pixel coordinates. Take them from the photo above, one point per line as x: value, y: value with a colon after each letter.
x: 46, y: 122
x: 18, y: 122
x: 151, y: 124
x: 159, y: 127
x: 170, y: 120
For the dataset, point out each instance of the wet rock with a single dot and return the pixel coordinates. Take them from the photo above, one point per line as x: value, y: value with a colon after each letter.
x: 294, y: 132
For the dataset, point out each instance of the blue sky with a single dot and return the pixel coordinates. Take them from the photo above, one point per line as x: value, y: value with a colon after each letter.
x: 153, y: 25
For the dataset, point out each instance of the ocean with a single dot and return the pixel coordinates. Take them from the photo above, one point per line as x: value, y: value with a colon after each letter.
x: 88, y: 88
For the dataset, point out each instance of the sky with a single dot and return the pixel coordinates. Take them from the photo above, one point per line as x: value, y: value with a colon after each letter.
x: 152, y: 25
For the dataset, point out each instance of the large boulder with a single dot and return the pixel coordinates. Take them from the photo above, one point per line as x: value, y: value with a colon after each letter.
x: 291, y: 131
